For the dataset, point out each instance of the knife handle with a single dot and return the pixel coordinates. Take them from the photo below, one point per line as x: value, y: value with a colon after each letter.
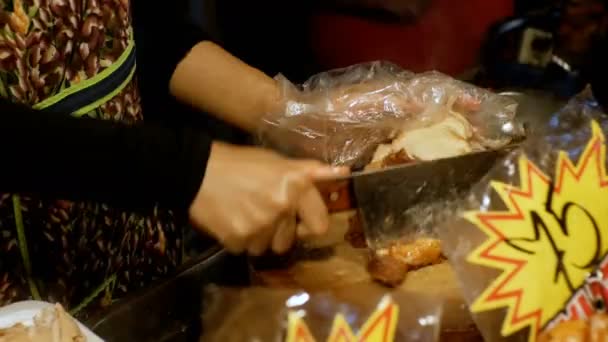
x: 337, y: 195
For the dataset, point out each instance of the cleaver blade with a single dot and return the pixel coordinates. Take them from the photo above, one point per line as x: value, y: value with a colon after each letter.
x: 389, y: 198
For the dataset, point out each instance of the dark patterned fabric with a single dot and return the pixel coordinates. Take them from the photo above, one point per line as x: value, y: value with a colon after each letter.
x: 83, y: 255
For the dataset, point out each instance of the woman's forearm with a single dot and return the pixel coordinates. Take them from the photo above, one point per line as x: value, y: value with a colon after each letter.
x: 212, y: 80
x: 60, y: 156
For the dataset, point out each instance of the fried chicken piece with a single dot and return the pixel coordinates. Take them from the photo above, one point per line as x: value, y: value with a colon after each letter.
x: 398, y: 158
x: 387, y: 270
x: 416, y: 254
x: 392, y: 159
x: 570, y: 331
x: 448, y: 138
x: 373, y: 166
x: 383, y: 151
x: 389, y: 266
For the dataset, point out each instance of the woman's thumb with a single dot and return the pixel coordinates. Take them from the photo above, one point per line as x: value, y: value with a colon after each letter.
x: 329, y: 172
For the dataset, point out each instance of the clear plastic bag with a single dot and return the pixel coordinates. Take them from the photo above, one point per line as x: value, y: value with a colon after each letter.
x: 342, y: 116
x: 261, y: 314
x: 529, y: 243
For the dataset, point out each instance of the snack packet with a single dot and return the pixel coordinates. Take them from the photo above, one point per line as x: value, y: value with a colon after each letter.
x: 342, y: 116
x: 262, y: 314
x: 530, y: 242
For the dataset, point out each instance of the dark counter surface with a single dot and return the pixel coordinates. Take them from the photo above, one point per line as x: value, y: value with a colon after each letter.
x: 171, y: 310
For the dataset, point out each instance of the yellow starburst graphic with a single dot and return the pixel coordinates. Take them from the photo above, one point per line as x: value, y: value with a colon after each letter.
x: 551, y: 236
x: 381, y: 326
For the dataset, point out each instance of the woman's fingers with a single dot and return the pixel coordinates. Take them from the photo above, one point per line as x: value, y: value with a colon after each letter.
x: 260, y: 242
x: 312, y: 210
x: 285, y: 234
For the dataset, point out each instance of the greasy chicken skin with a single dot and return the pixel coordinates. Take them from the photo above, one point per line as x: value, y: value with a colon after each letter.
x: 418, y: 253
x: 389, y: 266
x: 387, y: 270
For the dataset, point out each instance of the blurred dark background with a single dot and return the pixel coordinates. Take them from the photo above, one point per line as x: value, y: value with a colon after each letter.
x: 540, y: 44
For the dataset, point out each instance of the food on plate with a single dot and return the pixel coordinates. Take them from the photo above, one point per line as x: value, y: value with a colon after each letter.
x: 53, y: 324
x: 595, y: 329
x: 389, y: 266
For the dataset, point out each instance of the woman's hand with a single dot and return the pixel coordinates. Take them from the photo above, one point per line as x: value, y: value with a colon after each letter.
x: 251, y: 198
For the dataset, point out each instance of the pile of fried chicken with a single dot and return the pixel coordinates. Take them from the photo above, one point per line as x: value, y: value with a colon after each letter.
x: 389, y: 266
x: 51, y: 325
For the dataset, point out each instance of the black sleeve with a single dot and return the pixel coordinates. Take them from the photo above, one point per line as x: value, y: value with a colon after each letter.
x: 597, y: 71
x: 271, y: 35
x: 71, y: 158
x: 164, y: 33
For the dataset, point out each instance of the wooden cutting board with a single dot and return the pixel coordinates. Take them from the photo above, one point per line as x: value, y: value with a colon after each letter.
x: 346, y: 266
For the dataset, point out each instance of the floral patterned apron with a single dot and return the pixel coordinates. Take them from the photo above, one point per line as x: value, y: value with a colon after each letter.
x: 76, y: 56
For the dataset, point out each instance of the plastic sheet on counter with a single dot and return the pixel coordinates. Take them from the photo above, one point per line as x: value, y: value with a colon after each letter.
x: 530, y: 242
x: 341, y: 116
x: 259, y: 314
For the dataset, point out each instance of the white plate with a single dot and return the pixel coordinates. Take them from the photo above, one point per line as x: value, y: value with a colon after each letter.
x: 24, y: 313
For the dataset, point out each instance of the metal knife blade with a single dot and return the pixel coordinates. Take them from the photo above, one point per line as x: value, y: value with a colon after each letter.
x: 388, y: 198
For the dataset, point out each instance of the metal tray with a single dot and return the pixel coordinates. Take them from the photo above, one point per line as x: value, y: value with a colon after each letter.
x: 171, y: 310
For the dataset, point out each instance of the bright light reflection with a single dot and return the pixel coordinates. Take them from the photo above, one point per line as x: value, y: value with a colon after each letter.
x: 297, y: 300
x: 428, y: 320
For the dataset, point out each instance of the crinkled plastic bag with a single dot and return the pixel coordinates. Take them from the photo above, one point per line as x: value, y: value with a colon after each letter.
x: 529, y: 244
x: 341, y: 116
x: 276, y: 315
